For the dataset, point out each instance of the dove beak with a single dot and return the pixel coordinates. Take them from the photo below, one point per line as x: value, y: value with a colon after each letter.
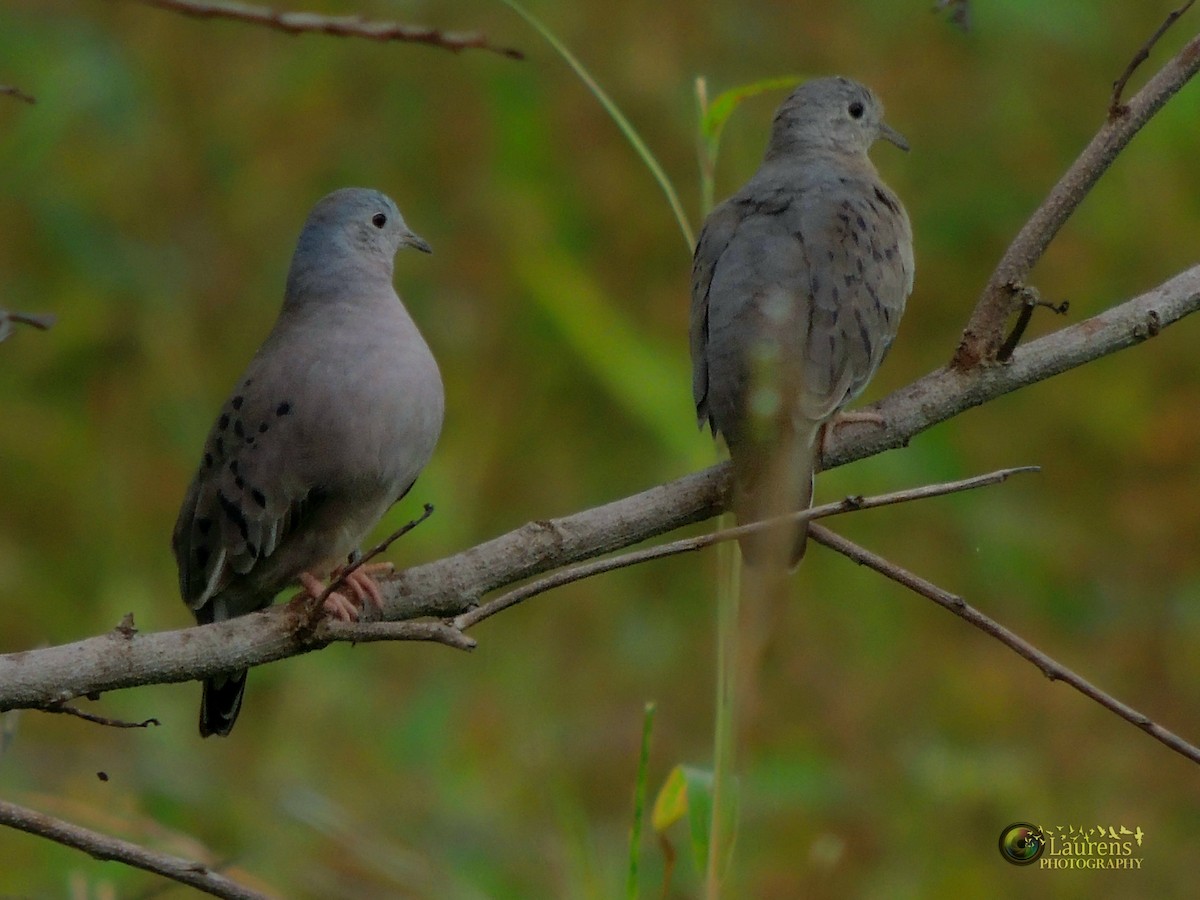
x: 419, y: 243
x: 888, y: 133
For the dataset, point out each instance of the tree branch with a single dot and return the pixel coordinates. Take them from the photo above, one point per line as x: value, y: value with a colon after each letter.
x: 102, y: 847
x: 339, y: 26
x: 1051, y: 668
x: 452, y: 586
x: 984, y: 333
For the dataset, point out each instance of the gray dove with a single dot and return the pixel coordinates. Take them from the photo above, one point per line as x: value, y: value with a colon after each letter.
x: 329, y: 425
x: 798, y: 284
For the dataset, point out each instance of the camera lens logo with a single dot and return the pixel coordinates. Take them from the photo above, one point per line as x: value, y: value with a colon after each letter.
x: 1022, y: 843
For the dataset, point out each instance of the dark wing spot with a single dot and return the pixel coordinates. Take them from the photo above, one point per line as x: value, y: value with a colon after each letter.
x: 861, y: 222
x: 283, y: 408
x: 886, y: 200
x: 238, y: 429
x: 250, y: 439
x: 889, y: 252
x: 219, y: 446
x: 863, y: 333
x: 233, y: 466
x: 223, y: 422
x: 262, y: 427
x: 208, y: 460
x: 235, y: 515
x: 252, y: 550
x: 259, y: 497
x: 204, y: 524
x: 202, y: 556
x: 239, y: 482
x: 238, y: 401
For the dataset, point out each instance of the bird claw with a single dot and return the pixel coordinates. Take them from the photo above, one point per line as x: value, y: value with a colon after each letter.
x: 339, y: 606
x: 348, y: 606
x: 365, y: 588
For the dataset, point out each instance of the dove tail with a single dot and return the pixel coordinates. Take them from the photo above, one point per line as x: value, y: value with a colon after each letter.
x: 782, y: 486
x: 800, y: 542
x: 221, y: 702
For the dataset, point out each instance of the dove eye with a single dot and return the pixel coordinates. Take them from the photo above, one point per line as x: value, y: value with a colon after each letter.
x: 379, y: 220
x: 856, y: 110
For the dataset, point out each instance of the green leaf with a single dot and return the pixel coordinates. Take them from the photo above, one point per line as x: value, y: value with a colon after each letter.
x: 670, y: 804
x: 686, y: 792
x: 726, y: 102
x: 713, y: 117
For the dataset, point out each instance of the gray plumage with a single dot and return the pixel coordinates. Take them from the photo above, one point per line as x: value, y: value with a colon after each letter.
x: 798, y: 284
x: 329, y: 425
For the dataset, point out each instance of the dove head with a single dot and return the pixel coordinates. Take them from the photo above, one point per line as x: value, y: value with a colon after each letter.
x: 833, y: 115
x: 351, y: 236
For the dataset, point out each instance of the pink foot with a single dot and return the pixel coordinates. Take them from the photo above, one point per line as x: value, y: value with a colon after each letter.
x: 364, y: 586
x: 336, y: 604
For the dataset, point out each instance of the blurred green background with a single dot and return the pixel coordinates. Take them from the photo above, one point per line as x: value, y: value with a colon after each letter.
x: 151, y: 200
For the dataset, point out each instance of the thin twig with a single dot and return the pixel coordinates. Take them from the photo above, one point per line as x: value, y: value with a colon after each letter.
x: 984, y: 333
x: 1030, y: 300
x: 99, y: 720
x: 1051, y: 668
x: 338, y: 26
x: 40, y: 321
x: 10, y: 91
x: 1115, y: 108
x: 692, y: 544
x: 103, y: 847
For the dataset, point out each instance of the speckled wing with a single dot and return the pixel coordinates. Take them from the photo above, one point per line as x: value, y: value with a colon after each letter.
x: 858, y: 243
x: 242, y: 503
x: 718, y: 231
x: 750, y: 281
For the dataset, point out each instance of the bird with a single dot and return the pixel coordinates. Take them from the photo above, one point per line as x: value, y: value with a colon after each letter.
x: 798, y: 284
x: 330, y: 424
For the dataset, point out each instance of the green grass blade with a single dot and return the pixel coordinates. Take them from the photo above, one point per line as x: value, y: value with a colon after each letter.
x: 724, y: 798
x: 610, y: 107
x: 639, y: 805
